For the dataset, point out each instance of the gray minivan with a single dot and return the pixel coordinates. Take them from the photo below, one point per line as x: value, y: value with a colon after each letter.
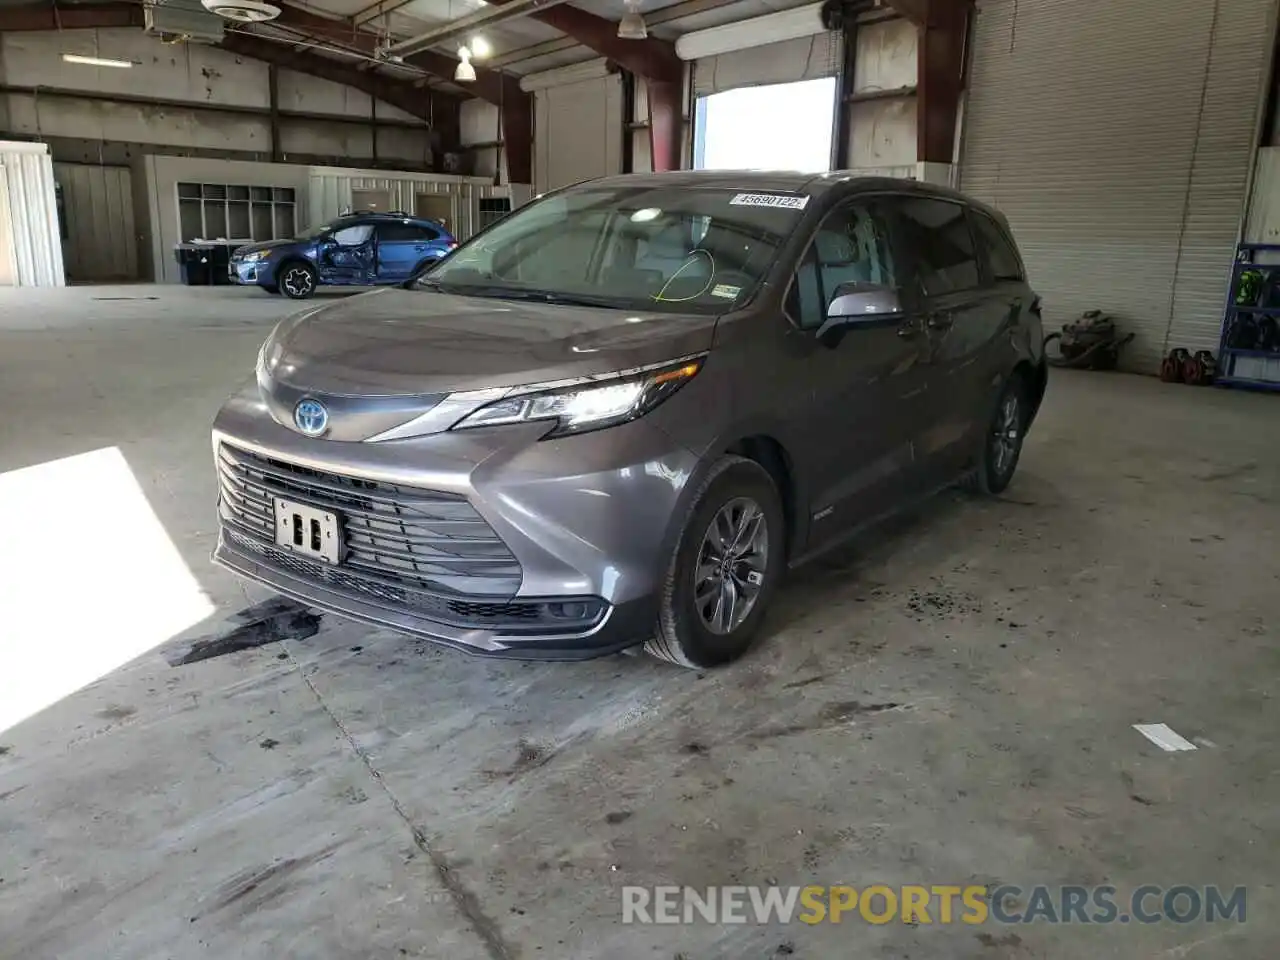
x: 620, y: 414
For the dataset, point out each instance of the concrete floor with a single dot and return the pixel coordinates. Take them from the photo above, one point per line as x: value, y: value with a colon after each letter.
x: 362, y: 795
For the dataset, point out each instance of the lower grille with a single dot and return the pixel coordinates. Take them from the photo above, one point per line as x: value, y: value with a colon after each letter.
x: 511, y: 617
x: 396, y: 538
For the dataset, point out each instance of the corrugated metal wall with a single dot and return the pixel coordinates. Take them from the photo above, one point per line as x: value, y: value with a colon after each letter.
x: 97, y: 204
x: 331, y: 192
x: 32, y: 214
x: 1118, y: 138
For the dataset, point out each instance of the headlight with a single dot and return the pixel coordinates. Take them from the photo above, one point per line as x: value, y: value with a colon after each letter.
x: 587, y: 407
x: 255, y: 256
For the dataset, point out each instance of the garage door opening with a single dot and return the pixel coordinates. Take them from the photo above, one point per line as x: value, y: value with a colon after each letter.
x: 796, y: 118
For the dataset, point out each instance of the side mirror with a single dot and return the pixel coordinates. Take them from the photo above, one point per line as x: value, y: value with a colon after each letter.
x: 863, y: 301
x: 857, y: 303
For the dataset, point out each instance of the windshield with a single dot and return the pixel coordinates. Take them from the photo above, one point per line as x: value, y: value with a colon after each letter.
x: 696, y: 250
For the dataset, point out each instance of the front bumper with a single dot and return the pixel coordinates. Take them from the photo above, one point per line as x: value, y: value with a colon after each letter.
x: 584, y: 520
x: 257, y: 273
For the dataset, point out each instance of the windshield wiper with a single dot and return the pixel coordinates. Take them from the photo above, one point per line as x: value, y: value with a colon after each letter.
x: 550, y: 296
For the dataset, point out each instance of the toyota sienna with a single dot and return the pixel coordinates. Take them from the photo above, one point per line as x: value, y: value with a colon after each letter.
x: 620, y: 414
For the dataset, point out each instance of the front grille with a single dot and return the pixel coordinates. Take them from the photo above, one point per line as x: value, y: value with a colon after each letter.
x: 399, y: 540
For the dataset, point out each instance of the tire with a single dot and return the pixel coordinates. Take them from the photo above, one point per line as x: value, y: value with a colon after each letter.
x: 1002, y: 440
x: 297, y: 280
x: 701, y: 634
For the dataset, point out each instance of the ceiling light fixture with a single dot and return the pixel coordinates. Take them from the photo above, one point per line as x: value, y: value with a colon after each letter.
x: 465, y: 73
x: 479, y: 47
x: 96, y: 61
x: 632, y: 25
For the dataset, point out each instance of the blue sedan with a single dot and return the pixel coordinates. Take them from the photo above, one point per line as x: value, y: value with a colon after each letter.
x: 361, y: 249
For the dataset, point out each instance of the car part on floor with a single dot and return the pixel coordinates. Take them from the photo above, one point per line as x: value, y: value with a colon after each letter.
x: 1091, y: 343
x: 1200, y: 369
x: 1173, y: 367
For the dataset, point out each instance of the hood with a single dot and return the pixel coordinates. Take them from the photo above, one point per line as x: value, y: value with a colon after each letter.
x: 400, y: 343
x: 265, y: 245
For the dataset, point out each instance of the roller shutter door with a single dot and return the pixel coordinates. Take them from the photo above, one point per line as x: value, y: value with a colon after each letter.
x: 805, y: 58
x: 1118, y: 137
x: 577, y: 132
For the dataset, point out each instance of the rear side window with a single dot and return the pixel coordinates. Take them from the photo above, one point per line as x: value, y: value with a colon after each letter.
x: 938, y: 234
x: 998, y: 248
x: 405, y: 233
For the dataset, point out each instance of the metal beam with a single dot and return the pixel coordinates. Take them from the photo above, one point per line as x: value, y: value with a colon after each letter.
x: 940, y: 73
x: 658, y: 17
x: 498, y: 88
x: 917, y: 11
x: 650, y: 58
x: 45, y: 16
x: 197, y: 106
x: 439, y: 110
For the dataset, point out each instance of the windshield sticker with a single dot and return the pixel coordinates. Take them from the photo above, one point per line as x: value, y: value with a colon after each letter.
x: 726, y: 290
x: 791, y: 201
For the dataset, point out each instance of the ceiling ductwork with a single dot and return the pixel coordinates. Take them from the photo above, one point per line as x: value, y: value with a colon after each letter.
x: 182, y: 20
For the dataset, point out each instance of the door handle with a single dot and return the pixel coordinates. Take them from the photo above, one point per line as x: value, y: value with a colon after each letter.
x: 420, y: 247
x: 940, y: 321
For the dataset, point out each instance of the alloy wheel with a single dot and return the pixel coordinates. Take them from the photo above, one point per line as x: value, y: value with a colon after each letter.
x: 298, y: 281
x: 1006, y: 438
x: 731, y: 566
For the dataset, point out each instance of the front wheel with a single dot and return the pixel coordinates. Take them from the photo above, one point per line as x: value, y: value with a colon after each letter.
x: 298, y: 281
x: 725, y: 568
x: 1002, y: 440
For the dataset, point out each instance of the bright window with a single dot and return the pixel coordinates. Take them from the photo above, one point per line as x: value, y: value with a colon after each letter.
x: 781, y: 126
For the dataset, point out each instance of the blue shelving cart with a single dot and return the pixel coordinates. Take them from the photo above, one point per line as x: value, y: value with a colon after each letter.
x: 1246, y: 359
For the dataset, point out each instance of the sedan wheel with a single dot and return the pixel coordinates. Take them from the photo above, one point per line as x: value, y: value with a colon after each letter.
x: 298, y: 281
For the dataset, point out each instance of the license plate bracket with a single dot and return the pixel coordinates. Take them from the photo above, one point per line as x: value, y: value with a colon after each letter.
x: 308, y: 530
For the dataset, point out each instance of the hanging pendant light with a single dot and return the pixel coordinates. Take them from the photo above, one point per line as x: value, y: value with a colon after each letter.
x: 632, y: 25
x: 465, y: 73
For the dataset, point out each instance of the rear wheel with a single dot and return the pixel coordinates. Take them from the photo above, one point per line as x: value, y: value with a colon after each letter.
x: 725, y: 568
x: 1002, y: 440
x: 297, y: 280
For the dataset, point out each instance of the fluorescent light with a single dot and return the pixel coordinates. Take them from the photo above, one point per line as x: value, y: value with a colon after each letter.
x: 96, y: 61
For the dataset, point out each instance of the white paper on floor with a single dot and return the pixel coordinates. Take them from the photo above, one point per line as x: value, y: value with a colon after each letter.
x: 1164, y: 737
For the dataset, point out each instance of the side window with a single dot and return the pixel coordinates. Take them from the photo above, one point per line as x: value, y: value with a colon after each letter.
x: 999, y: 249
x: 851, y: 246
x: 939, y: 234
x: 398, y: 233
x: 353, y: 236
x: 424, y: 234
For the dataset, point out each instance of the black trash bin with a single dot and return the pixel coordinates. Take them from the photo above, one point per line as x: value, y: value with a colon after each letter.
x: 194, y: 263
